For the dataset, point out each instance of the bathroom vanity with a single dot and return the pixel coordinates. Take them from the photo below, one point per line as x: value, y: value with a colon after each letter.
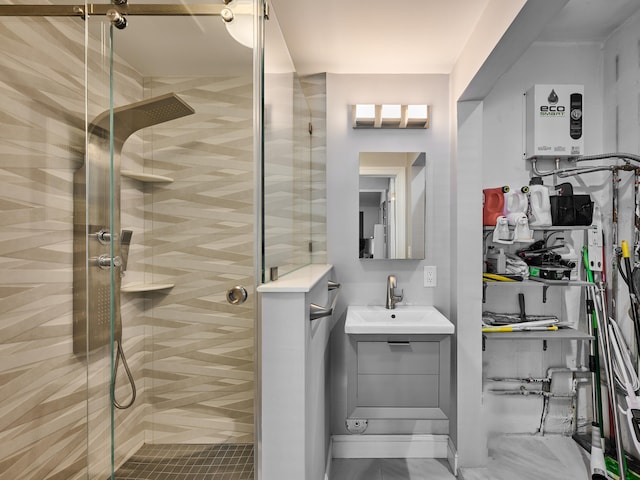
x: 398, y: 382
x: 395, y: 363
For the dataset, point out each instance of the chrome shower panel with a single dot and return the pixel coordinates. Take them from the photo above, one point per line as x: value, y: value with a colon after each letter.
x: 94, y: 230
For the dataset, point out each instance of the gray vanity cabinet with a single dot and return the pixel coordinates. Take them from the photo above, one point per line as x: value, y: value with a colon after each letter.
x: 398, y: 376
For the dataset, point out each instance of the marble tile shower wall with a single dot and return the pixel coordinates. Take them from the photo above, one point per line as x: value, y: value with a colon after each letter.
x: 199, y: 235
x: 43, y: 418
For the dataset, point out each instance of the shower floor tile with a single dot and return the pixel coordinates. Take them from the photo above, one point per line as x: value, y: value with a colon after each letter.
x: 189, y: 462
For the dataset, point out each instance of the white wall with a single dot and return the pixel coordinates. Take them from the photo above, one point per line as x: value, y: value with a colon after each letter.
x: 622, y: 94
x: 622, y: 100
x: 294, y: 423
x: 466, y: 294
x: 542, y: 63
x: 364, y: 282
x: 504, y: 164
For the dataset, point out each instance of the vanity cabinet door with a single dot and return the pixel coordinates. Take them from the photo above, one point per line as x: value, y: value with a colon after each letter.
x: 390, y: 358
x: 398, y: 391
x: 398, y: 374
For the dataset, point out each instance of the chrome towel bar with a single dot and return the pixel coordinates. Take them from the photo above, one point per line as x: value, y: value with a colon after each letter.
x: 316, y: 311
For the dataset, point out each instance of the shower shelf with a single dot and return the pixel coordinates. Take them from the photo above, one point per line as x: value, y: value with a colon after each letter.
x: 145, y: 287
x: 145, y: 177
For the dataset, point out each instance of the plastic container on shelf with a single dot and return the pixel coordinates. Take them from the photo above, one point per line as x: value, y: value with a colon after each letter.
x: 496, y: 261
x: 516, y: 203
x: 539, y: 211
x: 493, y: 204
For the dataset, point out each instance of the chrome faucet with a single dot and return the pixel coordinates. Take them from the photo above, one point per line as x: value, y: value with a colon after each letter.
x: 392, y: 298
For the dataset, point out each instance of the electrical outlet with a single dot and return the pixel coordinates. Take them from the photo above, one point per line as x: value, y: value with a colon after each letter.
x: 356, y: 425
x: 430, y: 276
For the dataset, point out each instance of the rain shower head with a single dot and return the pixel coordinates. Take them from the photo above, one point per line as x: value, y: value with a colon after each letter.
x: 135, y: 116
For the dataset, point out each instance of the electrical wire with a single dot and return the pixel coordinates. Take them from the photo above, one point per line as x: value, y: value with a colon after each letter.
x: 621, y: 272
x: 543, y: 415
x: 546, y: 239
x: 625, y: 373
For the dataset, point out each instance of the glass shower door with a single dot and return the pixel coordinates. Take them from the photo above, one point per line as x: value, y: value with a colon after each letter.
x: 171, y: 137
x: 130, y: 169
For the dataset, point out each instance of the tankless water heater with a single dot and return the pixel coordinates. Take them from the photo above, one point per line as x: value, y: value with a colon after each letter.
x: 554, y: 121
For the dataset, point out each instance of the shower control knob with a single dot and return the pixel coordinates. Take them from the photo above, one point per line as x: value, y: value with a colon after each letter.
x: 104, y: 236
x: 237, y: 295
x: 105, y: 261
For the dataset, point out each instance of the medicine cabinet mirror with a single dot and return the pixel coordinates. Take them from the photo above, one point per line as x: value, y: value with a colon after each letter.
x: 392, y: 205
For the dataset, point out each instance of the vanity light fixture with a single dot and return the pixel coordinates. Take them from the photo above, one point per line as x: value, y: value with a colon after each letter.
x: 390, y: 116
x: 364, y: 115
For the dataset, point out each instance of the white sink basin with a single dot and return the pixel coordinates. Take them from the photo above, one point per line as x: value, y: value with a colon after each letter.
x: 404, y: 319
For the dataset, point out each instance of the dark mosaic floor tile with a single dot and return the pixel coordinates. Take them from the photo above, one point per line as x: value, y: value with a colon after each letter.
x: 189, y: 462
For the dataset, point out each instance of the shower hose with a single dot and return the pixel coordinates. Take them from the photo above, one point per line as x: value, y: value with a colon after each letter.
x: 120, y: 356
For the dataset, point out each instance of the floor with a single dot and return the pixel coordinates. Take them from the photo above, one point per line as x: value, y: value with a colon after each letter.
x: 390, y: 469
x: 522, y: 457
x: 527, y: 457
x: 189, y: 462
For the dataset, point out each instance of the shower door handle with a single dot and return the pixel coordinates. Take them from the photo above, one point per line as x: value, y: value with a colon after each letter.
x: 237, y: 295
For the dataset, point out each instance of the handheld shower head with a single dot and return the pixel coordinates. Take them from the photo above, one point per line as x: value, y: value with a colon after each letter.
x: 125, y: 242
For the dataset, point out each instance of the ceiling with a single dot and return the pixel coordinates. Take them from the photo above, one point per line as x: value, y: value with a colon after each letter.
x: 414, y: 36
x: 589, y: 20
x: 374, y: 36
x: 353, y: 36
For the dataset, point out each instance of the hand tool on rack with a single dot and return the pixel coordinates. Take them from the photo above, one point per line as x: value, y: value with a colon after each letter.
x: 598, y: 466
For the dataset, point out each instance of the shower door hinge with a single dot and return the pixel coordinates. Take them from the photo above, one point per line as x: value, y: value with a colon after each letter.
x: 265, y: 10
x: 310, y: 246
x: 310, y: 128
x: 273, y: 274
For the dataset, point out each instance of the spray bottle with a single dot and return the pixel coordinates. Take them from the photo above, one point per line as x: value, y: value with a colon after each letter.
x: 496, y: 261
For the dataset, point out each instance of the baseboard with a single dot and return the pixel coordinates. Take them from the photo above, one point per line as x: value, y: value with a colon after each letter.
x: 452, y: 457
x: 390, y: 446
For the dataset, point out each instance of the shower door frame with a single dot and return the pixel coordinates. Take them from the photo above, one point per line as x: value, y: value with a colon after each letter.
x: 259, y: 11
x: 81, y: 10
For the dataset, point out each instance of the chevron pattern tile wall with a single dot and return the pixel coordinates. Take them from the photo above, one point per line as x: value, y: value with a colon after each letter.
x: 191, y: 353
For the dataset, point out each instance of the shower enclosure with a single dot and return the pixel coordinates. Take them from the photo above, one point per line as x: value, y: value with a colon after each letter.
x: 155, y: 163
